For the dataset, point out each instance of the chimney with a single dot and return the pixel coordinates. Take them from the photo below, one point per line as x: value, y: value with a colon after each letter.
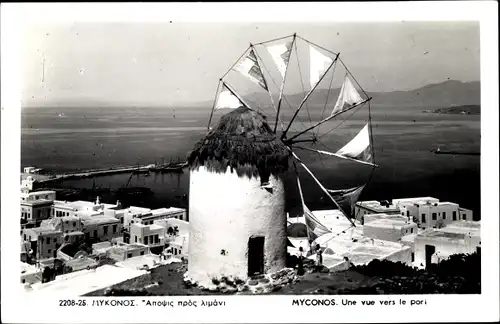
x: 97, y: 201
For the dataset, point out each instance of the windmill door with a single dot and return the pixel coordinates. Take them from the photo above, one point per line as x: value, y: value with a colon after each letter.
x: 429, y: 251
x: 256, y: 255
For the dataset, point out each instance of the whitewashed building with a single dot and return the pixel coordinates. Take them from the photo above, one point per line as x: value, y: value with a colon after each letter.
x: 237, y: 200
x: 101, y: 228
x: 81, y: 208
x: 435, y: 245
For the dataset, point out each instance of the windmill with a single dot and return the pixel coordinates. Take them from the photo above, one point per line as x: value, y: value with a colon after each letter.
x: 293, y: 123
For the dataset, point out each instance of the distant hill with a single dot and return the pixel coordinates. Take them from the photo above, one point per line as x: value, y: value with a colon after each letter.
x: 445, y: 94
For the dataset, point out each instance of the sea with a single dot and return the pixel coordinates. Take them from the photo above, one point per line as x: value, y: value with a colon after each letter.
x: 71, y: 139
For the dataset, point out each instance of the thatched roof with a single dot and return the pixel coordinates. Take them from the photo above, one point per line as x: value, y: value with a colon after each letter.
x: 244, y: 141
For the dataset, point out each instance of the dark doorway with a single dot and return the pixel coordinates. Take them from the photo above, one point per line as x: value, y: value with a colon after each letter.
x: 256, y: 255
x: 429, y: 251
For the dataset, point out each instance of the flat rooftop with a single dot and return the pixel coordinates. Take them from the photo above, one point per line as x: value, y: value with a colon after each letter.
x: 170, y: 210
x: 100, y: 219
x: 377, y: 207
x: 465, y: 224
x: 134, y: 209
x: 126, y: 247
x: 39, y: 193
x: 80, y: 263
x: 458, y: 230
x: 35, y: 176
x: 415, y: 199
x: 389, y: 223
x: 36, y: 202
x: 446, y: 203
x: 394, y: 217
x: 45, y: 230
x: 82, y: 205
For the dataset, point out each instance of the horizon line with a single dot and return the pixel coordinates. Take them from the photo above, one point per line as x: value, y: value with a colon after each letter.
x: 198, y: 104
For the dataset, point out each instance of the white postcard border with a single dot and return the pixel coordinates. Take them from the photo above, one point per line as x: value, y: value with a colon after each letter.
x: 482, y: 307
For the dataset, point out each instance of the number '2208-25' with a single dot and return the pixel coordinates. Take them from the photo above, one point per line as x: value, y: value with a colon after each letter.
x: 72, y: 302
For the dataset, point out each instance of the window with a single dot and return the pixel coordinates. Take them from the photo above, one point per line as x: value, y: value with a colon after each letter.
x: 408, y: 213
x: 142, y: 252
x: 48, y: 240
x: 66, y: 238
x: 454, y: 215
x: 413, y: 257
x: 423, y: 218
x: 74, y: 224
x: 95, y: 233
x: 54, y: 240
x: 25, y: 237
x: 49, y: 250
x: 105, y: 228
x: 114, y: 228
x: 411, y: 230
x: 444, y: 215
x: 434, y: 216
x: 129, y: 255
x: 464, y: 217
x: 157, y: 238
x: 29, y: 237
x: 146, y: 240
x: 135, y: 238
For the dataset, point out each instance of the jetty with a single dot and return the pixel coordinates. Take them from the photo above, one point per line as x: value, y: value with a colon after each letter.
x: 136, y: 169
x: 451, y: 152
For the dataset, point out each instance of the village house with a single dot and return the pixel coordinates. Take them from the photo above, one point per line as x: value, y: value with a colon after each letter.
x: 101, y: 228
x: 435, y: 245
x: 431, y: 213
x: 176, y: 236
x: 389, y: 228
x: 43, y: 241
x: 161, y: 213
x: 119, y: 251
x: 35, y: 207
x: 38, y: 195
x: 81, y: 208
x: 147, y: 216
x: 152, y: 236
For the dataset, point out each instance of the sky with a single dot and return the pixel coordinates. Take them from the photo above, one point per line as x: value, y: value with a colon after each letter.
x: 164, y: 64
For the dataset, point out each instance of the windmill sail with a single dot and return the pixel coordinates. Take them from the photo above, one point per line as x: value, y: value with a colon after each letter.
x: 319, y: 63
x: 280, y: 54
x: 359, y: 148
x: 314, y: 227
x: 227, y: 100
x: 347, y: 198
x: 348, y: 97
x: 249, y: 67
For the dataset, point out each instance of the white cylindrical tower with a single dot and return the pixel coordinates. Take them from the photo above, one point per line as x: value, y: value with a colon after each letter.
x: 237, y: 216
